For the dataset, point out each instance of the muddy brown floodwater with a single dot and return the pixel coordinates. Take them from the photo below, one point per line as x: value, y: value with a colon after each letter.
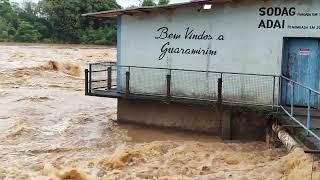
x: 50, y: 130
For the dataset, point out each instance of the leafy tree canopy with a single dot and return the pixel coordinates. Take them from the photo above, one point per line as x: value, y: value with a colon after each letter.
x: 57, y: 21
x: 163, y: 2
x: 153, y: 3
x: 26, y: 32
x: 148, y: 3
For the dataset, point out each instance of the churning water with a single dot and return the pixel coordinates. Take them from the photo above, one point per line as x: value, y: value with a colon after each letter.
x: 50, y: 130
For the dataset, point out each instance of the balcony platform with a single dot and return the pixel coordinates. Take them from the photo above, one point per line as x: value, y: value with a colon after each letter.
x: 105, y: 93
x: 162, y: 97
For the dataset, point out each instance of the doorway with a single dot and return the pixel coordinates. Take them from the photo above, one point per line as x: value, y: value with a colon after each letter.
x: 301, y: 64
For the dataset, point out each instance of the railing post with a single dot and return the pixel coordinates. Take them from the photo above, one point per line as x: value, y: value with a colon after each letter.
x: 273, y: 92
x: 308, y: 115
x: 127, y: 83
x: 220, y: 90
x: 118, y: 78
x: 292, y: 97
x: 90, y: 79
x: 109, y: 70
x: 280, y: 91
x: 169, y: 85
x: 86, y: 83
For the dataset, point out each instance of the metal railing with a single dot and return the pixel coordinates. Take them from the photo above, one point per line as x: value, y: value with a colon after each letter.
x: 111, y: 80
x: 177, y: 84
x: 100, y: 76
x: 303, y: 118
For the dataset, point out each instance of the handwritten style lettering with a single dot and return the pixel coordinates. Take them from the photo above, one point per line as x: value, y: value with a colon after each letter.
x: 163, y: 33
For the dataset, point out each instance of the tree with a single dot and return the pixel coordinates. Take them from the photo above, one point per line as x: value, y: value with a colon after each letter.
x: 28, y: 12
x: 163, y: 2
x: 7, y: 12
x: 148, y: 3
x: 27, y: 33
x: 56, y: 21
x: 153, y: 3
x: 99, y: 36
x: 64, y: 17
x: 3, y: 30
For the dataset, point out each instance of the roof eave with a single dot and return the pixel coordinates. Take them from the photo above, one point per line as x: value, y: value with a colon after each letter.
x: 148, y: 9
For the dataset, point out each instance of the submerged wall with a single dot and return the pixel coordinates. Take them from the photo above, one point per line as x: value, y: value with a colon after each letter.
x: 230, y: 123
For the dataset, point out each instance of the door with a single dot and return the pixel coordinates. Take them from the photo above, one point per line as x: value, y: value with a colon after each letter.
x: 301, y: 64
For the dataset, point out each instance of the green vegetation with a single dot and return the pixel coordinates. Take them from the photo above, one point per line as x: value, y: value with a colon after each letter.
x: 59, y: 21
x: 148, y: 3
x: 163, y: 2
x: 26, y: 32
x: 153, y: 3
x: 56, y: 21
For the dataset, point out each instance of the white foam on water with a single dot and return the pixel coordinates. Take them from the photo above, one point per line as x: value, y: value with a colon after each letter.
x: 50, y: 130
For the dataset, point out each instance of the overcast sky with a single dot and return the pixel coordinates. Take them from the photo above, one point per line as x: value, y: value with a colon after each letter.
x: 123, y: 3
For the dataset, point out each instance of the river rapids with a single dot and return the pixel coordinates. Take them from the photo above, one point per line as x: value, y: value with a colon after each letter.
x: 50, y: 130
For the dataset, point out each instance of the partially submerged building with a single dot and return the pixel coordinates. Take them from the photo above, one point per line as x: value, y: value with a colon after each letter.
x: 211, y: 65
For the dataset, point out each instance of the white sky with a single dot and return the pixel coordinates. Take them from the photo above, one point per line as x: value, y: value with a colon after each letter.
x: 123, y: 3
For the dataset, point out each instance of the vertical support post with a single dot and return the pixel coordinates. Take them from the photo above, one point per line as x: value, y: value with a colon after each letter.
x: 279, y: 90
x: 109, y: 70
x: 169, y: 85
x: 220, y: 90
x: 86, y: 82
x: 308, y: 115
x: 273, y: 92
x: 292, y: 97
x: 90, y: 79
x: 128, y: 83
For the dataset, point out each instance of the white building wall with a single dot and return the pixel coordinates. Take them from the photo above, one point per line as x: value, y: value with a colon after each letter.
x: 245, y: 48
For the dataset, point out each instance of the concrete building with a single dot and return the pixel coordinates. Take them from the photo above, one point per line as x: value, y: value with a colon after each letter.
x: 211, y: 65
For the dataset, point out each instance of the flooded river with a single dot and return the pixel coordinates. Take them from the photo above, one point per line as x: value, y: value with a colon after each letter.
x: 50, y: 130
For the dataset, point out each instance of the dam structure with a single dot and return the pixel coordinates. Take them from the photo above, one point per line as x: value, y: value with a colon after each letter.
x: 226, y: 68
